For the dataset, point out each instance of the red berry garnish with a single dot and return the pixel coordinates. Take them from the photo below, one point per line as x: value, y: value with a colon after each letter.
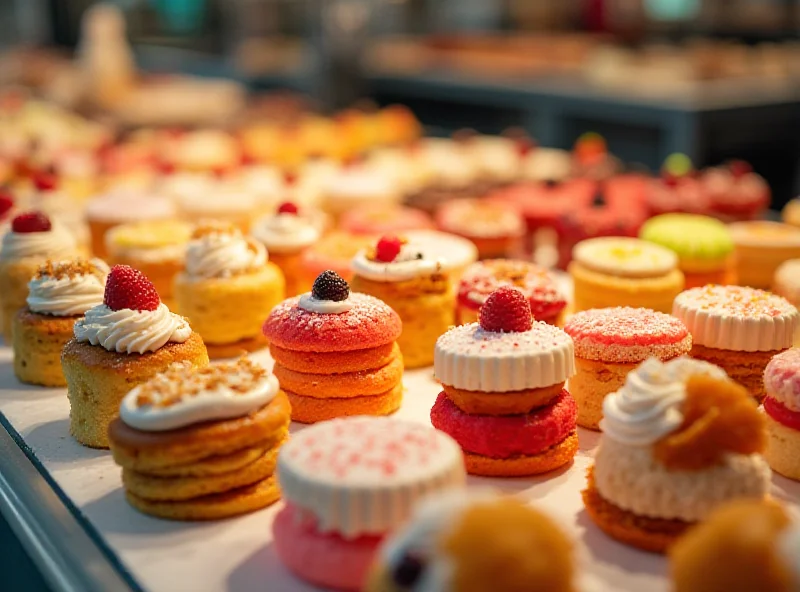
x: 44, y: 181
x: 506, y: 310
x: 6, y: 202
x: 31, y: 222
x: 388, y: 248
x: 127, y: 287
x: 288, y: 207
x: 739, y: 168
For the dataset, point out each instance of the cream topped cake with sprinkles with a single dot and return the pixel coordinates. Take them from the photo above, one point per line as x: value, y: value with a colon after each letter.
x: 737, y: 328
x: 349, y: 482
x: 609, y: 343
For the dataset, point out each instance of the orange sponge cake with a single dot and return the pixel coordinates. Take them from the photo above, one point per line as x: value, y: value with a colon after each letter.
x: 118, y: 344
x: 201, y: 444
x: 335, y: 352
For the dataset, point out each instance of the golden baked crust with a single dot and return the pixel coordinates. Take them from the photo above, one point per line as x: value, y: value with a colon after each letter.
x: 142, y: 451
x: 334, y: 362
x: 37, y: 342
x: 746, y: 368
x: 590, y: 385
x: 312, y: 409
x: 214, y: 465
x: 522, y: 466
x: 510, y: 403
x: 14, y: 278
x: 96, y: 356
x: 345, y: 385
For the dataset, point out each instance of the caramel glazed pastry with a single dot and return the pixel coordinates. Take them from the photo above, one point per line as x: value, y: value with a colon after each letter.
x: 201, y: 444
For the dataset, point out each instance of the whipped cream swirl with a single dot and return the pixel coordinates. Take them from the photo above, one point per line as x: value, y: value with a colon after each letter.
x: 285, y: 233
x: 223, y: 255
x: 131, y: 331
x: 410, y: 263
x: 54, y: 242
x: 68, y: 295
x: 648, y: 406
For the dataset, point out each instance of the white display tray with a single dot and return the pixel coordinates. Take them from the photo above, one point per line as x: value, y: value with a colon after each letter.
x: 238, y: 554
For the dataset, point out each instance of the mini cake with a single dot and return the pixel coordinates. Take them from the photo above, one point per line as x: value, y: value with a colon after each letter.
x: 287, y: 234
x: 461, y: 542
x: 744, y: 546
x: 482, y: 278
x: 739, y: 329
x: 123, y: 342
x: 416, y: 288
x: 703, y: 245
x: 336, y: 353
x: 377, y: 220
x: 333, y: 252
x: 736, y: 191
x: 58, y: 295
x: 624, y: 272
x: 376, y: 468
x: 679, y: 440
x: 504, y: 400
x: 782, y: 407
x: 227, y: 289
x: 787, y: 281
x: 157, y: 248
x: 761, y: 247
x: 610, y: 343
x: 497, y: 229
x: 201, y: 444
x: 29, y: 243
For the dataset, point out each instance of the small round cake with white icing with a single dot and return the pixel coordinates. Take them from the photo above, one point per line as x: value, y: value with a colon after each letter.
x: 378, y: 468
x: 504, y: 398
x: 201, y: 444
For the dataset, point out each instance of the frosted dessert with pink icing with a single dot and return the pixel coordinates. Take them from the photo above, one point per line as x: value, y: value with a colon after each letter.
x: 379, y: 469
x: 227, y: 289
x: 201, y: 444
x: 416, y: 287
x: 122, y: 342
x: 782, y: 410
x: 737, y: 328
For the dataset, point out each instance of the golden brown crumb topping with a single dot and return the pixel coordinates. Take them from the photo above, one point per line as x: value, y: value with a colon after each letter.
x: 208, y: 227
x: 62, y: 269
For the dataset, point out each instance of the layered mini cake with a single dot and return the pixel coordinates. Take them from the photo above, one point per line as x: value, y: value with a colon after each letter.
x: 201, y: 444
x: 416, y: 288
x: 680, y: 439
x: 227, y: 289
x: 504, y: 399
x: 58, y: 295
x: 377, y: 468
x: 126, y: 340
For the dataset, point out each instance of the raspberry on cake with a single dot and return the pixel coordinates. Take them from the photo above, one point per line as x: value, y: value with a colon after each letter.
x: 680, y: 439
x: 118, y: 344
x: 398, y: 272
x: 30, y: 242
x: 58, y: 295
x: 201, y: 444
x: 227, y: 289
x: 504, y: 399
x: 379, y: 469
x: 335, y: 352
x: 782, y: 407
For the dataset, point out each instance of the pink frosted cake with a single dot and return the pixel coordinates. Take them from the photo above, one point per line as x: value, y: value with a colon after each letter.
x: 782, y: 407
x: 347, y: 483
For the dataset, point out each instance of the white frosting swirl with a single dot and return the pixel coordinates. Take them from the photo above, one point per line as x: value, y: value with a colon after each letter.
x: 223, y: 254
x: 285, y: 233
x: 311, y: 304
x: 409, y: 264
x: 789, y: 551
x: 218, y: 402
x: 68, y: 295
x: 648, y: 406
x: 131, y: 331
x: 54, y: 242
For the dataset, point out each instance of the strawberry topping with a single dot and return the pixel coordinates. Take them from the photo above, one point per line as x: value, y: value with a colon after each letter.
x: 388, y: 248
x: 506, y: 310
x: 288, y: 207
x: 31, y: 222
x: 45, y: 181
x: 127, y: 287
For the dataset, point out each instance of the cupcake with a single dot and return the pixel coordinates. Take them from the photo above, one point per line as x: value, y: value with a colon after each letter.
x: 29, y: 243
x: 782, y: 408
x: 287, y: 234
x: 761, y: 247
x: 157, y: 248
x: 786, y: 282
x: 377, y: 468
x: 227, y: 289
x: 459, y: 542
x: 736, y: 191
x: 377, y: 221
x: 497, y: 229
x: 201, y: 444
x: 703, y: 245
x: 336, y: 353
x: 680, y: 439
x: 118, y: 344
x: 739, y: 329
x: 610, y: 272
x: 482, y: 278
x: 415, y: 287
x: 58, y: 295
x: 503, y: 397
x: 609, y: 344
x: 745, y: 545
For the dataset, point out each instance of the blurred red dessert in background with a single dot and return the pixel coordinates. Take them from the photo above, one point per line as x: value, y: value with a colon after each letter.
x: 380, y: 220
x: 496, y: 229
x: 736, y: 191
x: 677, y: 189
x: 591, y: 158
